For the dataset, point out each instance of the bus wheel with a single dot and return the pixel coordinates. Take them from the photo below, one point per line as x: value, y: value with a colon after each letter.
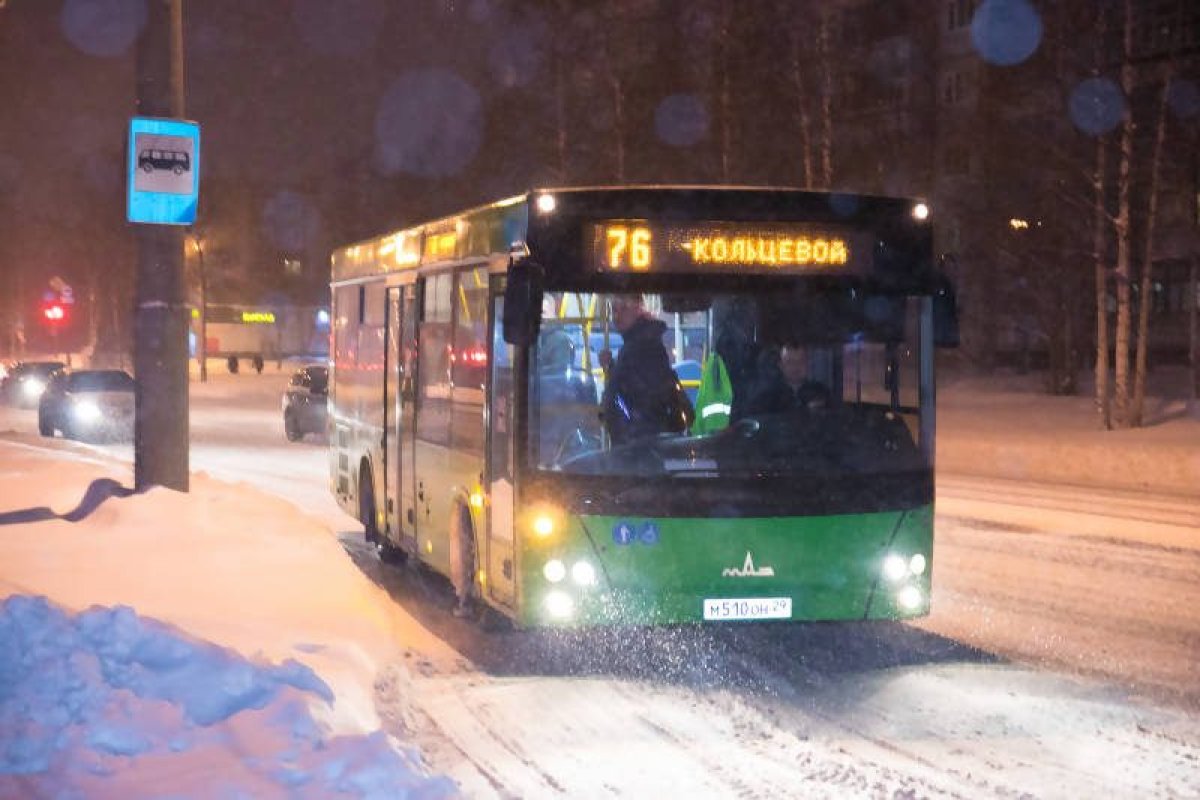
x: 388, y: 553
x: 366, y: 504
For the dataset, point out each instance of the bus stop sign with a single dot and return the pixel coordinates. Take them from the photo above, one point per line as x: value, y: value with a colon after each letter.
x: 164, y: 171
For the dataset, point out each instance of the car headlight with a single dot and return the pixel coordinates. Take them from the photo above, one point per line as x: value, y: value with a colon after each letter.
x: 86, y: 411
x: 32, y: 387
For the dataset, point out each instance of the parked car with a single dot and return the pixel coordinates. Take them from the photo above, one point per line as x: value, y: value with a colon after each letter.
x: 304, y: 402
x: 88, y: 404
x: 26, y: 380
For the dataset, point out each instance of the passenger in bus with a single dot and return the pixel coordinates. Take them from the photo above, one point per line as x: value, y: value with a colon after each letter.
x: 785, y: 383
x: 642, y: 394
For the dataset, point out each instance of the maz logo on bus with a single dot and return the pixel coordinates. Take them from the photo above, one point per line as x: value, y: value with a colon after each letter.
x: 682, y: 247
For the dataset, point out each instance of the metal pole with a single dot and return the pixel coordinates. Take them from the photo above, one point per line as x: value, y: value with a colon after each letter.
x: 161, y: 313
x: 202, y: 345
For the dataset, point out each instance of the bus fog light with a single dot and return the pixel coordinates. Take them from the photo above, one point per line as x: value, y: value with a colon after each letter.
x: 583, y: 573
x: 894, y: 567
x: 543, y: 525
x: 909, y: 598
x: 916, y: 564
x: 559, y: 605
x: 555, y: 570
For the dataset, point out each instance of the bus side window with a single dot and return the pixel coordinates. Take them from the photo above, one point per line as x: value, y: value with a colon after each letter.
x: 468, y: 364
x: 433, y: 416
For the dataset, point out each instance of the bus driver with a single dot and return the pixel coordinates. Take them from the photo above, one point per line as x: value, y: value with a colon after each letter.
x: 642, y: 394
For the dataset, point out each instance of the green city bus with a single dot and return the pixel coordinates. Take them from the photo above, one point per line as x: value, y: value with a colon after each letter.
x: 472, y: 429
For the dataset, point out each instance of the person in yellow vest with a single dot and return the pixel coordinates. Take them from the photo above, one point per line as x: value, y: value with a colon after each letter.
x: 714, y: 400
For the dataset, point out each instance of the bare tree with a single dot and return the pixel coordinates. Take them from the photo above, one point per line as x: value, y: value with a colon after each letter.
x: 1143, y: 334
x: 1122, y: 225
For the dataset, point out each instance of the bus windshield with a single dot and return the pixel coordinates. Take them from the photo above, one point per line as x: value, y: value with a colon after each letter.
x: 785, y: 381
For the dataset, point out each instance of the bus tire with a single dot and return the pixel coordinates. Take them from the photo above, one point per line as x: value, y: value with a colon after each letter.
x: 388, y: 553
x: 366, y: 503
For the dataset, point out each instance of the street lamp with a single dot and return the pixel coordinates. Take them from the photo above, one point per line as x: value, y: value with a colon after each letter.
x: 202, y: 345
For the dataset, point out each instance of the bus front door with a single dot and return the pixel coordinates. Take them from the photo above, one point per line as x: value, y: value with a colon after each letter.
x: 500, y: 550
x: 401, y: 475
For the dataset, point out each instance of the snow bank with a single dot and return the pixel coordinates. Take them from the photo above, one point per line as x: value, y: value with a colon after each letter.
x: 986, y: 427
x: 218, y: 643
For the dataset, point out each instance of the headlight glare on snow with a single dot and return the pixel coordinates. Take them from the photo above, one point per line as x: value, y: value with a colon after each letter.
x: 554, y: 570
x: 86, y: 411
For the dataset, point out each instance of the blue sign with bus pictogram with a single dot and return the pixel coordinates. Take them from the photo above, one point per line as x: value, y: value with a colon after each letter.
x: 163, y: 170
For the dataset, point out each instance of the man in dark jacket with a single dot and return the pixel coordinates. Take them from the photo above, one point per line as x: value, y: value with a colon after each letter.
x: 642, y: 396
x: 785, y: 384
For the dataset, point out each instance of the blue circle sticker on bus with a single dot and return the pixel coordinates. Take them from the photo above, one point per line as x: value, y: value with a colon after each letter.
x: 649, y: 533
x: 622, y: 532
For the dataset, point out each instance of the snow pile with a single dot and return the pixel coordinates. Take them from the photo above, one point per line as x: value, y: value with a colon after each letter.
x: 212, y: 644
x: 110, y: 703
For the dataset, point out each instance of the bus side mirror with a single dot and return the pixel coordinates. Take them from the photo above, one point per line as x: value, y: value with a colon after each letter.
x: 522, y: 303
x: 945, y: 314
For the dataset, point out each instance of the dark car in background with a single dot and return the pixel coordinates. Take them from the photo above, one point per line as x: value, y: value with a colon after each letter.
x: 26, y: 380
x: 304, y: 402
x: 88, y: 404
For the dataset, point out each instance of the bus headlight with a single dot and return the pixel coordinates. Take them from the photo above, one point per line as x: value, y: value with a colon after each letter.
x: 559, y: 605
x: 583, y: 573
x: 909, y: 598
x: 895, y: 568
x: 86, y: 412
x: 916, y: 564
x: 32, y: 388
x: 554, y: 570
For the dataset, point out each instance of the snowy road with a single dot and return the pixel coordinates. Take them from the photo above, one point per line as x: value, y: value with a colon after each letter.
x: 1034, y: 586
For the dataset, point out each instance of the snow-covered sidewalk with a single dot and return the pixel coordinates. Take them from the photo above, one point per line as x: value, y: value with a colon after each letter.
x: 1005, y: 427
x: 217, y: 643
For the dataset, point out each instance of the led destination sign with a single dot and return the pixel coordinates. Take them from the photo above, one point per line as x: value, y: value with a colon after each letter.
x: 635, y: 246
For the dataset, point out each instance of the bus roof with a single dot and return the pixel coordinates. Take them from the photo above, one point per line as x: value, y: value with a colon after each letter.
x: 517, y: 226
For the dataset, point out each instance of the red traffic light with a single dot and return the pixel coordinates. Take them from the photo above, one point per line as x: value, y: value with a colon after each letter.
x: 54, y: 313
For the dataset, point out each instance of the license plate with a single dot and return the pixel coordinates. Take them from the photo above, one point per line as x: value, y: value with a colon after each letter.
x: 718, y: 609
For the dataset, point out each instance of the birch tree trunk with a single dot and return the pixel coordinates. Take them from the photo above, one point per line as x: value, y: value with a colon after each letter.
x: 826, y: 101
x: 1103, y: 409
x: 560, y: 117
x: 1194, y: 326
x: 1122, y: 273
x: 1147, y: 286
x: 805, y: 120
x: 723, y: 104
